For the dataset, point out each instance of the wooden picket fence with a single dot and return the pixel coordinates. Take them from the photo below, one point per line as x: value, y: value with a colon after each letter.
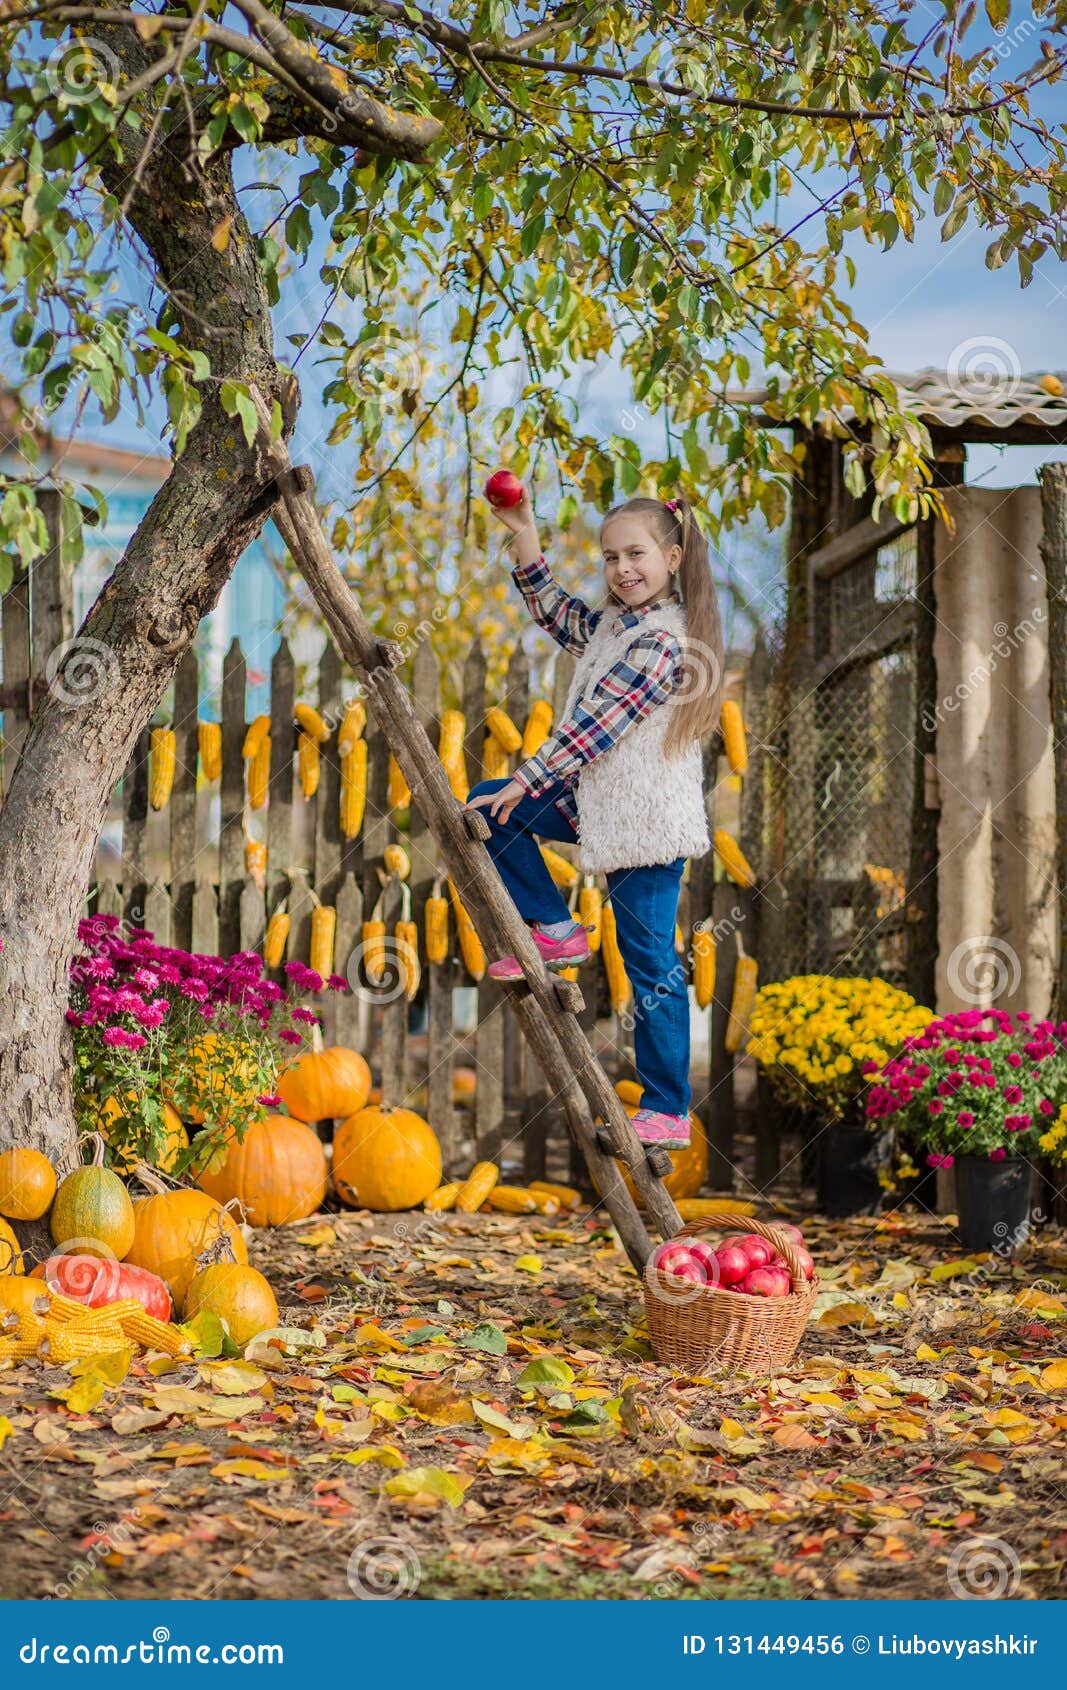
x: 182, y: 874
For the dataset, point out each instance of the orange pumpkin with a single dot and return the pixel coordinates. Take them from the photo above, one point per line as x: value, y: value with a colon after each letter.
x: 93, y: 1211
x: 219, y: 1075
x: 464, y: 1084
x: 385, y: 1159
x: 27, y: 1184
x: 239, y: 1295
x: 18, y: 1296
x: 176, y: 1138
x: 277, y: 1172
x: 171, y: 1228
x: 325, y: 1085
x: 10, y: 1254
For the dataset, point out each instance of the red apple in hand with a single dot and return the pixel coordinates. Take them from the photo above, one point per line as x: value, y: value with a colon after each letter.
x: 504, y: 490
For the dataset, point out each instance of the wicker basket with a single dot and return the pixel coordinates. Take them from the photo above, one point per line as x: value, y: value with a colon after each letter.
x: 698, y: 1327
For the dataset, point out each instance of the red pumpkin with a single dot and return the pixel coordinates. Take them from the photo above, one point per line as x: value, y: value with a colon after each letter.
x: 89, y: 1280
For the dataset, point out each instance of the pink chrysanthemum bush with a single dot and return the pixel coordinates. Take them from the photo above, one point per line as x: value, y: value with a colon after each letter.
x: 161, y: 1033
x: 980, y: 1082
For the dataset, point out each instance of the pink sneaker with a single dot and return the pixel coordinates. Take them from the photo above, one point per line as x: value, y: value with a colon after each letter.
x: 556, y: 953
x: 666, y: 1132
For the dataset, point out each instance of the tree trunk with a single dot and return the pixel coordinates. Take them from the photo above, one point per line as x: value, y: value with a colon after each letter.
x: 109, y: 680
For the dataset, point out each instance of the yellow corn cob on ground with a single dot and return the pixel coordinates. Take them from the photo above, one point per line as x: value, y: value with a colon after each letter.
x: 443, y: 1199
x: 698, y: 1208
x: 512, y: 1200
x: 476, y: 1187
x: 565, y: 1195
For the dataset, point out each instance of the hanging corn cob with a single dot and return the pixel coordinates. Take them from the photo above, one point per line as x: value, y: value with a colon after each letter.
x: 323, y: 934
x: 255, y: 733
x: 741, y: 1000
x: 703, y: 966
x: 373, y: 940
x: 256, y: 861
x: 164, y: 756
x: 470, y: 946
x: 259, y: 773
x: 276, y: 938
x: 307, y: 759
x: 618, y: 982
x: 353, y: 723
x: 353, y: 788
x: 397, y: 861
x: 563, y: 873
x: 399, y: 790
x: 476, y: 1187
x: 503, y: 729
x: 407, y: 956
x: 450, y: 751
x: 538, y: 727
x: 209, y: 745
x: 732, y: 858
x: 435, y: 918
x: 590, y: 910
x: 733, y: 737
x: 494, y: 759
x: 314, y: 725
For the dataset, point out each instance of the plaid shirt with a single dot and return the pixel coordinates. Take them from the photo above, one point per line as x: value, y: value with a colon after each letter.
x: 646, y: 676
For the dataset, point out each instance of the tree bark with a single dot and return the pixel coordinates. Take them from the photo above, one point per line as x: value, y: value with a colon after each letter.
x: 107, y: 682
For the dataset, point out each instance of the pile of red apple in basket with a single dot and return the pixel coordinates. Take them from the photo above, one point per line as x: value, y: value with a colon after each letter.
x: 742, y: 1262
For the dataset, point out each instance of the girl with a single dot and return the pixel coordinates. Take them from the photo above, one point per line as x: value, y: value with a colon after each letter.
x: 622, y: 772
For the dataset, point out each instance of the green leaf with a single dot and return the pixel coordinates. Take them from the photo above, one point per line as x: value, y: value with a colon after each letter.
x: 487, y: 1337
x: 550, y: 1372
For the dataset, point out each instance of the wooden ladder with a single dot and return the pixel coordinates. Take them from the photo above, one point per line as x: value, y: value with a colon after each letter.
x: 546, y: 1006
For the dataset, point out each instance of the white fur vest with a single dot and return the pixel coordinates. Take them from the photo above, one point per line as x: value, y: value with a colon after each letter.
x: 636, y: 806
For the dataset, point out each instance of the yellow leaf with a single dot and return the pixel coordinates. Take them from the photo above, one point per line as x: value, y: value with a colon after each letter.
x: 6, y: 1430
x: 925, y: 1353
x: 1054, y: 1376
x: 529, y: 1264
x: 385, y: 1453
x: 846, y: 1314
x: 111, y: 1366
x: 220, y: 234
x: 318, y: 1236
x: 371, y: 1337
x: 430, y: 1482
x: 246, y: 1468
x: 732, y: 1429
x: 952, y: 1270
x: 232, y: 1378
x: 83, y: 1396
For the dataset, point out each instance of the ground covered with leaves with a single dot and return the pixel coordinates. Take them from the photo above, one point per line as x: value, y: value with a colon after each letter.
x: 470, y: 1409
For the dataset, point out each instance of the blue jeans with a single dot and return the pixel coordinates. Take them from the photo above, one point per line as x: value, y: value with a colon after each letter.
x: 645, y: 901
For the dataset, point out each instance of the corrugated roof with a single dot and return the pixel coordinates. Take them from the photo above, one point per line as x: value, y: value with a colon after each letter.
x: 995, y: 398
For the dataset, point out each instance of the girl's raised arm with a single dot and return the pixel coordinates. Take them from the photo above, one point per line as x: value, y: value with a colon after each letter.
x: 568, y: 620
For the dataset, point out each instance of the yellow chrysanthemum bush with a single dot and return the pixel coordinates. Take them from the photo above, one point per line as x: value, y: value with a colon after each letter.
x: 820, y: 1038
x: 1054, y: 1142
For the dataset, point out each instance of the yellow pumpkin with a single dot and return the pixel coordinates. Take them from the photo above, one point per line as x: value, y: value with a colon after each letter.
x: 277, y: 1172
x: 27, y: 1184
x: 10, y: 1254
x: 172, y: 1228
x: 385, y: 1159
x: 18, y: 1296
x: 219, y: 1075
x: 239, y: 1295
x: 325, y: 1085
x: 175, y: 1141
x: 93, y: 1211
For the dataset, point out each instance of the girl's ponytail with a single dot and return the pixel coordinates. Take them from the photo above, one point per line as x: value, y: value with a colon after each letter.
x: 696, y: 704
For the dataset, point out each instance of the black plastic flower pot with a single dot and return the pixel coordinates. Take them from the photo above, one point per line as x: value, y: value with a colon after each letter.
x: 993, y: 1203
x: 848, y: 1161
